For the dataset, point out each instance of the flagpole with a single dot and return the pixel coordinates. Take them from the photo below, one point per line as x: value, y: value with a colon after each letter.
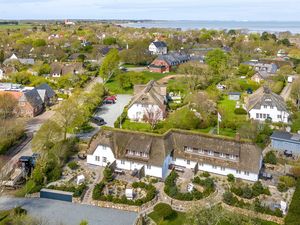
x: 218, y: 126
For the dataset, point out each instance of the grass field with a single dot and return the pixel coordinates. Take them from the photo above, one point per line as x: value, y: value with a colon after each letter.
x: 226, y: 107
x: 19, y: 26
x: 115, y: 88
x: 296, y: 123
x: 178, y: 219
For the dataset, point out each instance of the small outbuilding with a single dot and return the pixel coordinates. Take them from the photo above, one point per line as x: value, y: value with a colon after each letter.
x: 234, y: 96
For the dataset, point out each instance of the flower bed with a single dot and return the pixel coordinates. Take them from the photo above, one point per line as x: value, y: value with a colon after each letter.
x: 230, y: 199
x: 249, y: 192
x: 149, y: 188
x: 172, y: 190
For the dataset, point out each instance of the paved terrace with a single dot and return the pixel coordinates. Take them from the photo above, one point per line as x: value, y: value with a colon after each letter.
x: 59, y: 212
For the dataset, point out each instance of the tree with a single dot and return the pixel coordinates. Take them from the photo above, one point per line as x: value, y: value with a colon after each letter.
x: 217, y: 61
x: 270, y: 158
x: 69, y: 115
x: 46, y: 137
x: 8, y: 106
x: 245, y: 70
x: 109, y: 41
x: 44, y: 69
x: 152, y: 115
x: 295, y: 93
x: 109, y: 65
x: 4, y: 173
x: 39, y: 43
x: 2, y: 56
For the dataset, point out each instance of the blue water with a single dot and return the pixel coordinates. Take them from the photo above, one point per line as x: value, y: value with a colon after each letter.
x: 251, y: 26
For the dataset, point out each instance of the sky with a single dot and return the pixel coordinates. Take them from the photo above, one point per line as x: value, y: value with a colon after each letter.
x: 252, y: 10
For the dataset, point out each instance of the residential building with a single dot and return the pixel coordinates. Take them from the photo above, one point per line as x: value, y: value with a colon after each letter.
x: 264, y: 104
x: 165, y: 63
x: 260, y: 76
x: 149, y: 101
x: 270, y: 68
x: 155, y: 154
x: 13, y: 58
x: 158, y: 47
x: 286, y: 141
x: 30, y: 103
x: 47, y: 94
x: 60, y: 69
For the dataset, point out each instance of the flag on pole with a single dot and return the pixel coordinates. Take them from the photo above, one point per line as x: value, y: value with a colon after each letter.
x: 219, y: 117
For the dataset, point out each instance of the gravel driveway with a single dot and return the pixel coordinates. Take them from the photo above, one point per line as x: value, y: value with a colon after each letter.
x: 59, y: 212
x: 110, y: 113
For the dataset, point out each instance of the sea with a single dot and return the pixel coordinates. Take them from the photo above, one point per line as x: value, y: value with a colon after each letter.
x: 247, y: 26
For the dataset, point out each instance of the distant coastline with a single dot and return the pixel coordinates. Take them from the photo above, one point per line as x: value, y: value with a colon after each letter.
x: 250, y: 26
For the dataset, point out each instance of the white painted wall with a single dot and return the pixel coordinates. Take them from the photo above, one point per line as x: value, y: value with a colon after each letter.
x: 100, y: 154
x: 1, y: 74
x: 216, y: 169
x: 273, y: 113
x: 137, y: 111
x: 154, y: 50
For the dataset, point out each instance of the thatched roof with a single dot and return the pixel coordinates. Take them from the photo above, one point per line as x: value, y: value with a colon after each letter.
x: 159, y: 146
x: 150, y: 93
x: 264, y: 96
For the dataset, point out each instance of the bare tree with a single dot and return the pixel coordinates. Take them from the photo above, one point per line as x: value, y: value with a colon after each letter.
x: 152, y: 116
x: 8, y: 106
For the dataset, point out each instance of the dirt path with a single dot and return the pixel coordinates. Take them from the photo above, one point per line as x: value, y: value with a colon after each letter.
x: 165, y: 79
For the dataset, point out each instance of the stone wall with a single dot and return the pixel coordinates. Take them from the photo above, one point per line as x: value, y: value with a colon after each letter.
x: 252, y: 214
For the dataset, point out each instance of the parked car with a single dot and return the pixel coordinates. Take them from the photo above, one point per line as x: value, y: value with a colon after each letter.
x: 109, y: 100
x: 98, y: 120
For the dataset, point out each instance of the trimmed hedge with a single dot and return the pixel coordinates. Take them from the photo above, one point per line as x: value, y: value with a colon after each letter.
x: 78, y: 191
x: 172, y: 190
x: 293, y: 216
x: 240, y: 111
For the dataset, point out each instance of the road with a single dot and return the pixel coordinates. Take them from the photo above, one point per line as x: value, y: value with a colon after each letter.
x: 109, y: 113
x: 58, y: 212
x: 32, y: 127
x: 285, y: 93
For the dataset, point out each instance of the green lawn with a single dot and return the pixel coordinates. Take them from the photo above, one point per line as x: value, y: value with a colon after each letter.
x: 226, y: 107
x: 115, y: 88
x: 145, y: 127
x: 19, y: 26
x: 296, y: 123
x: 178, y: 219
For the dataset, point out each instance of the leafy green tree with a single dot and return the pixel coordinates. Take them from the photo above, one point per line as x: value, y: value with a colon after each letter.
x: 295, y: 93
x: 44, y: 69
x: 69, y: 115
x: 109, y: 41
x: 245, y: 70
x: 109, y: 65
x: 270, y: 158
x: 217, y: 61
x: 39, y: 43
x: 46, y: 137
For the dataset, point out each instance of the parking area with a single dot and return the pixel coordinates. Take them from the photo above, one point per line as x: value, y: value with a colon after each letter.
x: 111, y: 112
x: 58, y: 212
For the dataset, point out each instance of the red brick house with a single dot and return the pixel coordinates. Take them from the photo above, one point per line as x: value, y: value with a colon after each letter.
x: 30, y: 103
x: 165, y: 63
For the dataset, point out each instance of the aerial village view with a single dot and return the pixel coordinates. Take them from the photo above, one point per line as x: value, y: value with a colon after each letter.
x: 113, y: 120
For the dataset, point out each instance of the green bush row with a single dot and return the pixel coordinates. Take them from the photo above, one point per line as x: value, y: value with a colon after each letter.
x: 250, y: 192
x: 293, y: 216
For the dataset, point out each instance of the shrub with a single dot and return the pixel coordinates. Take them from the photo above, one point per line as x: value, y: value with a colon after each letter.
x: 164, y: 210
x: 73, y: 165
x: 230, y: 178
x: 107, y: 174
x: 97, y: 192
x: 270, y: 158
x: 20, y: 211
x: 247, y: 192
x: 229, y: 198
x: 288, y: 181
x: 282, y: 187
x: 240, y: 111
x: 293, y: 216
x: 205, y: 174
